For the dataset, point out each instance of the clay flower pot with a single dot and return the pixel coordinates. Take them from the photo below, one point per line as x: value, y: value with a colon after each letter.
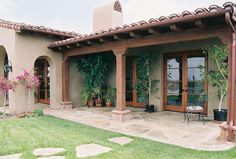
x: 109, y: 104
x: 98, y: 102
x: 90, y: 103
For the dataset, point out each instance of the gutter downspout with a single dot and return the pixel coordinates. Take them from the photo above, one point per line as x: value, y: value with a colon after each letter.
x: 232, y: 78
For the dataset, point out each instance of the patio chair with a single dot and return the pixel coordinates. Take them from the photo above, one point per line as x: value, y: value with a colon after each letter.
x: 194, y: 109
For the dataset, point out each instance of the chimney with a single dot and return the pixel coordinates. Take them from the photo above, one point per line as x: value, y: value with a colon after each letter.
x: 107, y: 16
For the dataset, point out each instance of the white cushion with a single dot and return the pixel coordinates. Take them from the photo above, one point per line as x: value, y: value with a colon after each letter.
x: 194, y: 108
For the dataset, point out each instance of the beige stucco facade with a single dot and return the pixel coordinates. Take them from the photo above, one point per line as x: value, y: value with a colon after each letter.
x: 23, y: 49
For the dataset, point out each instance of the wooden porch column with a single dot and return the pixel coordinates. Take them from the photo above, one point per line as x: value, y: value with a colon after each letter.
x: 231, y: 122
x: 120, y: 113
x: 228, y: 130
x: 65, y: 104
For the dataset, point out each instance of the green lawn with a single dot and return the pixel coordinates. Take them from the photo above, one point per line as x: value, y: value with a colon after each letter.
x: 24, y: 135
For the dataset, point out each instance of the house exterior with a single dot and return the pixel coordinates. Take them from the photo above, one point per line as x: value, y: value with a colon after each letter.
x: 176, y: 40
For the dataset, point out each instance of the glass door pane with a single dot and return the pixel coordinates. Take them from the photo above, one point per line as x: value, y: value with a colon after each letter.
x: 196, y: 81
x: 129, y: 80
x: 174, y: 77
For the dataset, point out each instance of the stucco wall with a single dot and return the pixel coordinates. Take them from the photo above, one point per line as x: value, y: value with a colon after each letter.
x: 28, y: 48
x: 7, y: 44
x: 157, y: 71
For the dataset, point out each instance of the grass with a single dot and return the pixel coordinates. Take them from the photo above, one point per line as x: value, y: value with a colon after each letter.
x: 24, y: 135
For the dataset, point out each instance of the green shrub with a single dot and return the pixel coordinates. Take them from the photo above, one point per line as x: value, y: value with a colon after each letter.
x: 38, y: 112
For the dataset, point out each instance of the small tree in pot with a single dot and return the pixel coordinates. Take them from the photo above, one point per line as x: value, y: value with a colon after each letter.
x: 219, y: 77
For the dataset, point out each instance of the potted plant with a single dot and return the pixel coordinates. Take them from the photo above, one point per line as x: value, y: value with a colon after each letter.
x: 87, y: 96
x: 218, y: 77
x: 98, y: 94
x: 109, y: 97
x: 93, y: 69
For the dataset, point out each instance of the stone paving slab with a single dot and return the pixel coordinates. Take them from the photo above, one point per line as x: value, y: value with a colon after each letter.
x: 44, y: 152
x: 15, y: 156
x: 90, y: 150
x: 121, y: 140
x: 52, y: 157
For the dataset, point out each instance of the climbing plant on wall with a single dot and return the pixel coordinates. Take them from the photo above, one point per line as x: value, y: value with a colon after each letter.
x: 145, y: 85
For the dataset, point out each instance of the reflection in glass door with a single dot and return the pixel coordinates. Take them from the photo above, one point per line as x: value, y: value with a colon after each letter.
x: 184, y: 83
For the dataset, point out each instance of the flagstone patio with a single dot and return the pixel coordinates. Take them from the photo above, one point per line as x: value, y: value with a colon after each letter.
x: 166, y: 127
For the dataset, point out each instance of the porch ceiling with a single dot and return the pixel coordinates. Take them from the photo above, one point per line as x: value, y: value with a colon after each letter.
x: 202, y: 19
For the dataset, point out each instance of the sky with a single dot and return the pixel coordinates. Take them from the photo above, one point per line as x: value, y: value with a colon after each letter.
x: 76, y: 15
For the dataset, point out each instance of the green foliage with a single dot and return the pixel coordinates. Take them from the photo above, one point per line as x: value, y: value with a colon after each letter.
x: 38, y: 112
x: 87, y: 94
x: 219, y: 77
x: 110, y: 94
x: 93, y: 69
x: 144, y: 84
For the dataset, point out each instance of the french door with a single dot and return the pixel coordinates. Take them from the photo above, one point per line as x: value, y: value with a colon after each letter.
x: 43, y: 72
x: 184, y: 82
x: 132, y: 96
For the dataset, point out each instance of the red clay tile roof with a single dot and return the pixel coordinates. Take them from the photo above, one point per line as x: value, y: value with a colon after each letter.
x: 18, y: 27
x: 163, y: 20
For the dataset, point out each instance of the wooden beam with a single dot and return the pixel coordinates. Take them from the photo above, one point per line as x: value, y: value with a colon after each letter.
x: 134, y: 35
x: 200, y: 24
x: 153, y: 31
x: 174, y: 27
x: 68, y: 46
x: 90, y: 42
x: 190, y: 35
x: 123, y: 36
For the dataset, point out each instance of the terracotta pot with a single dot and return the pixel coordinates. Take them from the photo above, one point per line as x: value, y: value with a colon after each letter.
x: 90, y: 103
x: 98, y: 102
x: 109, y: 104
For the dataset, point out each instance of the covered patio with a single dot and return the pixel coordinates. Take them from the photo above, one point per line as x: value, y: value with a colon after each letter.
x: 189, y: 27
x: 166, y: 127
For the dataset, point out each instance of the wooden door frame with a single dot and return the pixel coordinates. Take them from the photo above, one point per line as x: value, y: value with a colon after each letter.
x: 184, y: 55
x: 45, y: 63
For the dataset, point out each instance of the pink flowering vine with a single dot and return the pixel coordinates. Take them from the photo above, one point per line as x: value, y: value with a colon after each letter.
x: 30, y: 81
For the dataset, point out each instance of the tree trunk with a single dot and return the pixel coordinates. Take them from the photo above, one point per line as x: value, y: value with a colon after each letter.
x: 221, y: 101
x: 29, y: 96
x: 4, y: 105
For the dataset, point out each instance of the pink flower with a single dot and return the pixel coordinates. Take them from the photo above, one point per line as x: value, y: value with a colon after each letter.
x: 6, y: 85
x: 30, y: 81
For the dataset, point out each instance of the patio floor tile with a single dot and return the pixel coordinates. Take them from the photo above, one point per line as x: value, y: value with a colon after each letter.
x: 89, y: 150
x: 15, y: 156
x: 121, y: 140
x: 52, y: 157
x: 44, y: 152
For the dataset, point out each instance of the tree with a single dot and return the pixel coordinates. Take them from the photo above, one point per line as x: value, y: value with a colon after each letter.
x: 219, y: 77
x: 5, y: 86
x: 30, y: 81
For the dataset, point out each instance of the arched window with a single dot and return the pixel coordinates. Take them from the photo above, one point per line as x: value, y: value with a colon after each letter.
x: 42, y: 70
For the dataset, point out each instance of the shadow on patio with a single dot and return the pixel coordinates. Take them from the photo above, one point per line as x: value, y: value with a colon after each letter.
x: 166, y: 127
